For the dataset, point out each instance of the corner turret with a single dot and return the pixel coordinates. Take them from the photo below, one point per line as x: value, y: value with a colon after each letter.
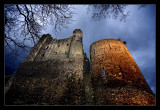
x: 77, y: 32
x: 76, y: 47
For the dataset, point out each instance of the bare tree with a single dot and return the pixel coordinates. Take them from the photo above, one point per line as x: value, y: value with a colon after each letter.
x: 102, y: 11
x: 142, y: 6
x: 24, y: 23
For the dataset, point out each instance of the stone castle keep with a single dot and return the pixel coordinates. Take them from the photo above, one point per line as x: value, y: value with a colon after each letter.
x: 57, y: 72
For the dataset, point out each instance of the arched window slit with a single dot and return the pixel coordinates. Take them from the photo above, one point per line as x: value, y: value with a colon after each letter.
x: 104, y: 73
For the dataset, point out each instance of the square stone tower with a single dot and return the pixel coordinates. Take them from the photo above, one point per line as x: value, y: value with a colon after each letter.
x: 52, y: 74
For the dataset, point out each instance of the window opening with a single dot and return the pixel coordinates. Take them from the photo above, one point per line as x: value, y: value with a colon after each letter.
x: 109, y: 46
x: 121, y: 72
x: 104, y: 73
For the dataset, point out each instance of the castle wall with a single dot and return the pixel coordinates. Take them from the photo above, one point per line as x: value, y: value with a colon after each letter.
x: 76, y: 47
x: 112, y: 57
x: 57, y: 72
x: 47, y: 82
x: 55, y: 49
x: 51, y: 74
x: 48, y: 48
x: 38, y: 47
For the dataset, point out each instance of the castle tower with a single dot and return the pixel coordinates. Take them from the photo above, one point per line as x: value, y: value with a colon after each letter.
x: 116, y: 77
x: 76, y: 44
x: 48, y: 48
x: 52, y: 74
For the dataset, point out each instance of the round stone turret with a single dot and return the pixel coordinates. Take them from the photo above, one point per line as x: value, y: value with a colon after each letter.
x: 115, y: 73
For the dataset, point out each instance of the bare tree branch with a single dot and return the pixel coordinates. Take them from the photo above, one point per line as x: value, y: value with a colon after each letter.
x: 102, y: 11
x: 107, y: 10
x: 24, y: 23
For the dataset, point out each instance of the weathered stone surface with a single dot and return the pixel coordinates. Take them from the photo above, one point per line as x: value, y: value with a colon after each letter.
x: 124, y: 82
x: 52, y: 74
x: 57, y: 72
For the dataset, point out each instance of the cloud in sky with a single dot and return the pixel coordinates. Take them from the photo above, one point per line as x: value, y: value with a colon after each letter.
x: 138, y: 31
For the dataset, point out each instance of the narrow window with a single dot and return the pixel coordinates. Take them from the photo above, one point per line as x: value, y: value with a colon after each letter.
x: 104, y: 73
x: 121, y: 72
x: 109, y: 46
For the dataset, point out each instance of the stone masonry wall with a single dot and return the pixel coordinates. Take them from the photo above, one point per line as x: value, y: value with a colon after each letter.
x: 115, y: 74
x: 48, y: 48
x: 53, y: 82
x: 57, y: 72
x: 52, y: 74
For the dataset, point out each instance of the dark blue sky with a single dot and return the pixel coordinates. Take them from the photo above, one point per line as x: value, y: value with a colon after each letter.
x: 138, y: 31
